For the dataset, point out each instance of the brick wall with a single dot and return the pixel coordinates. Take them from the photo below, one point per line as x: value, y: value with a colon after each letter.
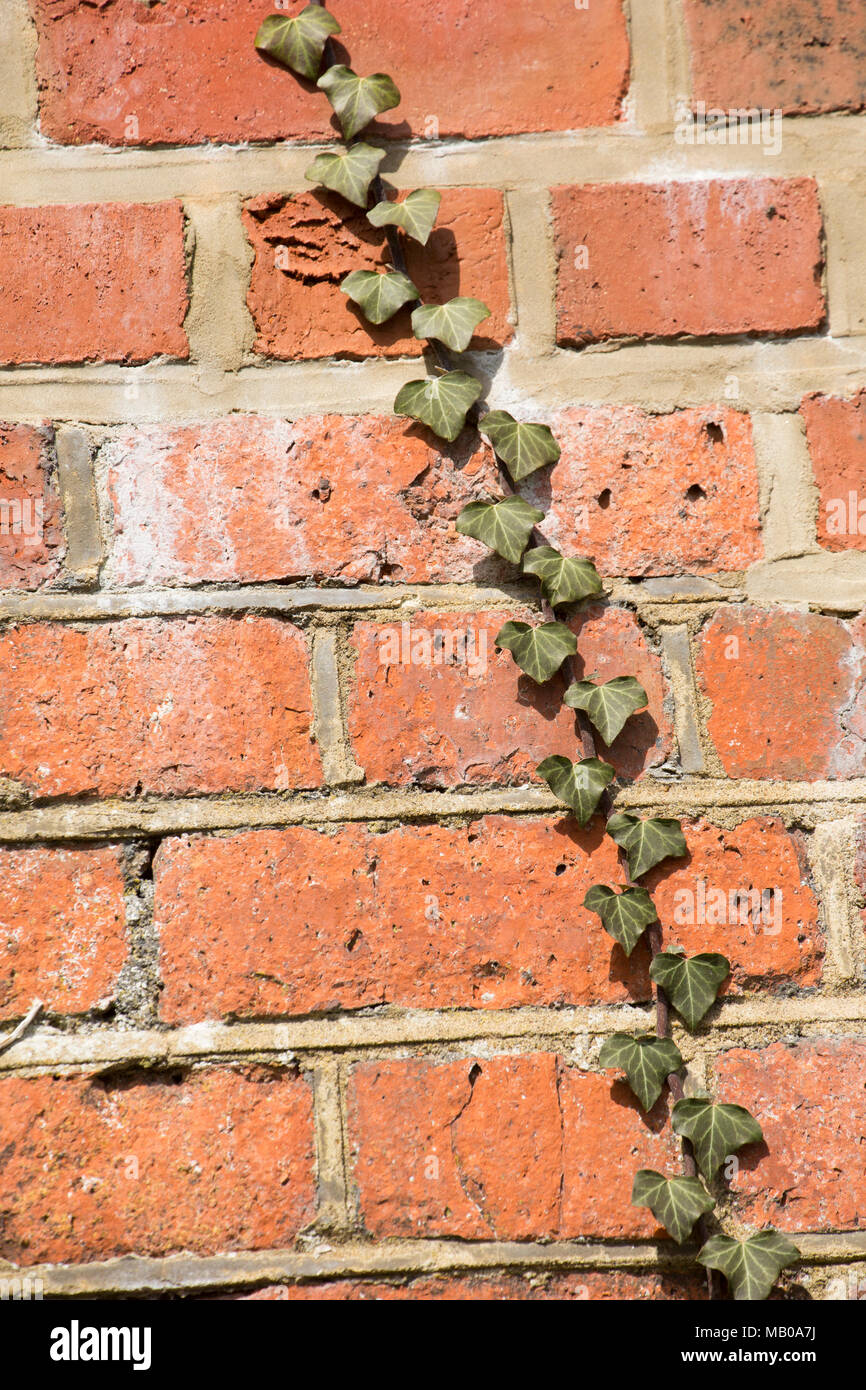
x: 319, y: 994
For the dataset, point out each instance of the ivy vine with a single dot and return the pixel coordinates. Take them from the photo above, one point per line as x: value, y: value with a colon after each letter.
x: 446, y: 401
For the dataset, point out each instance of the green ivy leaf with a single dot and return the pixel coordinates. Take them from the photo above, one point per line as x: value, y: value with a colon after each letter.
x: 503, y: 526
x: 415, y: 215
x: 298, y: 43
x: 539, y: 651
x: 563, y: 581
x: 647, y: 1062
x: 442, y: 402
x: 624, y: 915
x: 452, y: 324
x: 750, y: 1266
x: 690, y: 983
x: 676, y: 1203
x: 349, y: 173
x: 357, y: 100
x: 580, y: 785
x: 646, y: 842
x: 379, y: 296
x: 715, y: 1131
x: 608, y: 705
x: 522, y: 448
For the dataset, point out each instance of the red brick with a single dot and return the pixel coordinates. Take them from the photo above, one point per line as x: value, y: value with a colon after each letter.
x: 781, y: 945
x: 786, y: 691
x: 62, y: 937
x: 836, y: 434
x: 624, y: 491
x: 355, y: 498
x: 156, y: 706
x: 507, y: 1148
x: 307, y: 244
x: 810, y: 1101
x: 272, y: 923
x: 101, y: 282
x: 99, y: 65
x: 719, y: 257
x: 797, y: 55
x: 469, y: 715
x: 583, y: 1285
x: 653, y: 494
x: 31, y: 536
x: 152, y: 1163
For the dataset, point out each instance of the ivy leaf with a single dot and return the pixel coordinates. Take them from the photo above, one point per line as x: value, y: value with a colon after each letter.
x: 580, y: 785
x: 350, y: 172
x: 714, y: 1130
x: 503, y: 526
x: 452, y: 324
x: 624, y: 915
x: 379, y: 296
x: 646, y: 842
x: 647, y: 1062
x: 416, y: 214
x: 608, y: 705
x: 690, y: 983
x: 539, y: 651
x: 298, y: 43
x: 750, y: 1266
x: 676, y: 1203
x: 563, y: 581
x: 441, y: 402
x: 357, y: 100
x: 523, y: 448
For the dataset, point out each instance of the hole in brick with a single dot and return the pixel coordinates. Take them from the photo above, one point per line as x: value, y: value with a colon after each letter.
x: 714, y: 432
x: 604, y: 499
x: 696, y: 493
x: 126, y: 1078
x: 560, y: 869
x: 474, y: 1073
x: 491, y: 969
x: 353, y: 940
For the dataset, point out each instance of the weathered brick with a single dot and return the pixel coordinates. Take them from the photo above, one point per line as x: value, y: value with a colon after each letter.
x: 62, y: 936
x: 92, y: 282
x: 368, y: 497
x: 716, y: 257
x: 652, y: 494
x: 151, y: 1163
x: 297, y: 921
x: 355, y: 498
x: 590, y: 1285
x: 810, y: 1100
x: 156, y: 706
x: 31, y: 536
x: 306, y: 245
x: 467, y: 714
x: 744, y: 892
x: 836, y: 435
x: 112, y: 73
x: 797, y: 55
x: 786, y: 693
x: 509, y: 1148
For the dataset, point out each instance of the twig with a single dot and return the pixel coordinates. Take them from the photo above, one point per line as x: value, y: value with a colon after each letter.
x: 32, y: 1013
